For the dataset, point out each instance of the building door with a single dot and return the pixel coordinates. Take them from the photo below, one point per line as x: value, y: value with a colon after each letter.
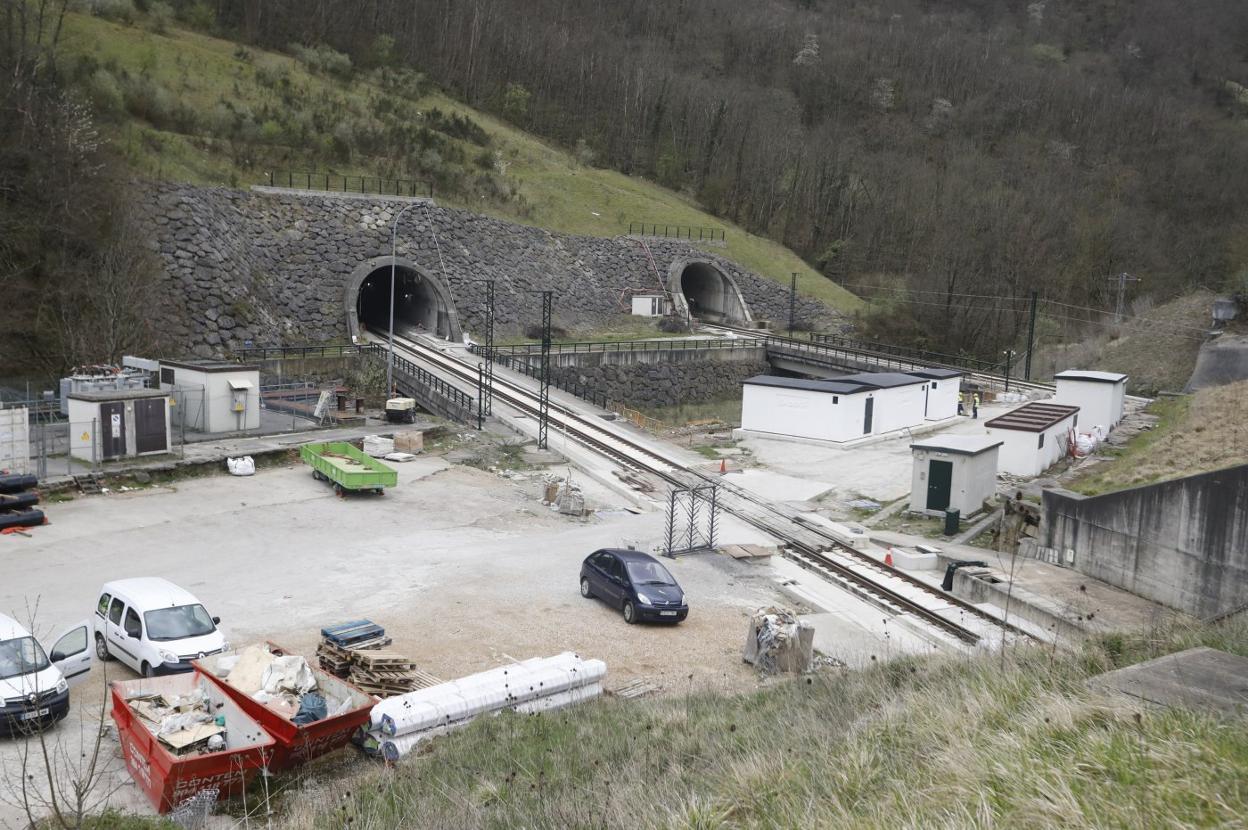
x: 113, y: 429
x: 939, y: 483
x: 149, y: 425
x: 867, y: 416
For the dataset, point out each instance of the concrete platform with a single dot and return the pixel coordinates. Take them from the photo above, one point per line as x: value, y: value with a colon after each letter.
x: 1051, y: 597
x: 1198, y: 678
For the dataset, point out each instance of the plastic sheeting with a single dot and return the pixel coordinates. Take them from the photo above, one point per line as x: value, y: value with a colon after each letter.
x: 537, y: 685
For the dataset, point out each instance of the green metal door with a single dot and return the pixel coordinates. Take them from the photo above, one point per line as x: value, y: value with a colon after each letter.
x: 939, y: 483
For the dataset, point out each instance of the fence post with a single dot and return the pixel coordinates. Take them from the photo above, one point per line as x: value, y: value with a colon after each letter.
x: 94, y: 432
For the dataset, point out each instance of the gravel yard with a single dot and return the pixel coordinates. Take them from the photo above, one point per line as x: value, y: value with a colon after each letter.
x: 465, y: 568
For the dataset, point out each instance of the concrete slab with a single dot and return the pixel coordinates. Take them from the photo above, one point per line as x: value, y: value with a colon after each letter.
x: 1198, y: 678
x: 778, y: 486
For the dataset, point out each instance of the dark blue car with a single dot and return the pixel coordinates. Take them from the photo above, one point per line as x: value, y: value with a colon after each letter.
x: 635, y: 583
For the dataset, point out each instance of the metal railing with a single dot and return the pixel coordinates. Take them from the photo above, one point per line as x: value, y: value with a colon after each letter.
x: 337, y: 182
x: 666, y: 345
x: 433, y: 392
x: 259, y: 353
x: 916, y: 355
x: 520, y: 362
x: 675, y: 231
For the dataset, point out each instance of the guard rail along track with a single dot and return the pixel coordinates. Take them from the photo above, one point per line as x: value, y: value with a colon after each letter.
x: 812, y: 547
x: 883, y: 361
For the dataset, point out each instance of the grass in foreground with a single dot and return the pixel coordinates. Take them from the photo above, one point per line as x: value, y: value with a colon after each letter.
x: 1197, y: 433
x: 934, y: 742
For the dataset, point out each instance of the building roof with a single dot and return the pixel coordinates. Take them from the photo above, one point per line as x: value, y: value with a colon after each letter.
x: 102, y: 395
x: 958, y: 444
x: 934, y: 373
x: 835, y: 387
x: 1033, y: 417
x: 1096, y: 377
x: 150, y: 592
x: 880, y: 380
x: 210, y: 365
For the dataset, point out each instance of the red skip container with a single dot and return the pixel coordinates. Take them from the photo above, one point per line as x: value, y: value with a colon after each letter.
x: 296, y: 744
x: 169, y: 779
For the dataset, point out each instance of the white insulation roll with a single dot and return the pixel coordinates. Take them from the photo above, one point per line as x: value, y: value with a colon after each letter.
x: 489, y: 691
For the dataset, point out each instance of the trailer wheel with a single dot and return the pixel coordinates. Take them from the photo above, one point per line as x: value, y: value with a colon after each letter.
x: 337, y: 488
x: 318, y: 475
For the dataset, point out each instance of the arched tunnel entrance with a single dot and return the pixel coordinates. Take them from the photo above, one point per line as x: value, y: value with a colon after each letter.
x: 707, y: 293
x: 422, y: 304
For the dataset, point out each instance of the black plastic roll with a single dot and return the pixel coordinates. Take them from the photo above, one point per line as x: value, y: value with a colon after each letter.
x: 17, y: 482
x: 21, y: 518
x: 18, y: 501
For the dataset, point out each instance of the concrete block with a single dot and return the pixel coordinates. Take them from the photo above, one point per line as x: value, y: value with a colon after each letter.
x: 411, y: 441
x: 914, y: 560
x: 1198, y: 678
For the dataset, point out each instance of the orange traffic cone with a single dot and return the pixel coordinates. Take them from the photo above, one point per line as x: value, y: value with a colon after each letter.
x: 723, y: 466
x: 888, y: 558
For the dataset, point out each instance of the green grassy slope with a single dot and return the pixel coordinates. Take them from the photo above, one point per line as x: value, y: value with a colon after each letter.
x: 933, y: 742
x: 186, y: 107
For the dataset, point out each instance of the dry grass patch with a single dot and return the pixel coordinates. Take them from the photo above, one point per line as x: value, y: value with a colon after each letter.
x: 935, y: 742
x: 1197, y: 433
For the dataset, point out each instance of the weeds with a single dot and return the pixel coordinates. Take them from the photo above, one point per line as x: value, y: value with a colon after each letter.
x: 914, y: 742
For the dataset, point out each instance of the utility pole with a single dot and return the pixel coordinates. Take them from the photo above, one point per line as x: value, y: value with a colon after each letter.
x: 394, y: 238
x: 486, y: 392
x: 1122, y: 280
x: 1031, y: 334
x: 792, y: 302
x: 543, y: 409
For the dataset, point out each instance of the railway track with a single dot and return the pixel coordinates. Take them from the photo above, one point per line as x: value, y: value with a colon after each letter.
x: 812, y: 547
x: 985, y: 378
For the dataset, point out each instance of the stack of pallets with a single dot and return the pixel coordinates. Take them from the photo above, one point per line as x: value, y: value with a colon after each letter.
x: 385, y: 673
x: 353, y: 651
x: 340, y: 642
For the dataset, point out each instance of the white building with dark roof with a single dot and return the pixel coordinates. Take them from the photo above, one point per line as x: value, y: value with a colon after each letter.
x: 1100, y: 396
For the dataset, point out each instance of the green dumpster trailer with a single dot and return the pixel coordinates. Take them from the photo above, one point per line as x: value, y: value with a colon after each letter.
x: 347, y: 467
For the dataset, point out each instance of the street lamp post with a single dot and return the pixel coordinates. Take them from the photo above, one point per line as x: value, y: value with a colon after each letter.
x: 394, y: 237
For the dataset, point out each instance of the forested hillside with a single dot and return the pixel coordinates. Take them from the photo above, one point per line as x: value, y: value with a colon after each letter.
x: 946, y: 147
x: 941, y: 158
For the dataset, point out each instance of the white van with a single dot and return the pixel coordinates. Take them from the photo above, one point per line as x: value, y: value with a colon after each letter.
x: 153, y: 626
x: 33, y: 687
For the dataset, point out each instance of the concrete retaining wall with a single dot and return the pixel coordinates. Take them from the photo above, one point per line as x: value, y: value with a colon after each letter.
x: 652, y: 379
x: 1182, y: 543
x: 274, y: 269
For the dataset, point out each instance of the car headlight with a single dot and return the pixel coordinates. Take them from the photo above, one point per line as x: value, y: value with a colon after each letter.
x: 62, y: 686
x: 642, y: 598
x: 225, y: 646
x: 684, y: 600
x: 168, y: 656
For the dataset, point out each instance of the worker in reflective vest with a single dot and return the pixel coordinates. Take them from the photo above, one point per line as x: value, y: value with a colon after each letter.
x: 961, y: 404
x: 975, y: 406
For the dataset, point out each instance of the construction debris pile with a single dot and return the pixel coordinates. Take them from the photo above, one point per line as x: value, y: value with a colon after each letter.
x: 563, y: 495
x: 540, y: 684
x: 353, y: 651
x: 283, y: 683
x: 185, y: 724
x: 779, y: 642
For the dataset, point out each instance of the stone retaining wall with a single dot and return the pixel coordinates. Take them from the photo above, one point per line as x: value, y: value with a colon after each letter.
x: 272, y: 269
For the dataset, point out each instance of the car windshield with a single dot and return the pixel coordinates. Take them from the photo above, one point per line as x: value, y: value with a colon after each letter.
x: 649, y: 573
x: 178, y: 623
x: 21, y: 655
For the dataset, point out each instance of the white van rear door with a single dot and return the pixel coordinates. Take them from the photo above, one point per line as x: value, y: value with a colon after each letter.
x: 71, y: 652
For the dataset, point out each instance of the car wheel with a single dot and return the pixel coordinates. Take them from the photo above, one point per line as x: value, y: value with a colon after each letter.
x: 630, y: 613
x: 148, y: 671
x: 101, y: 648
x: 586, y: 591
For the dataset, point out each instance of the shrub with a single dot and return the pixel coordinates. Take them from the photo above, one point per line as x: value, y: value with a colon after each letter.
x: 119, y: 11
x: 201, y: 17
x: 324, y: 60
x: 160, y: 17
x: 105, y: 93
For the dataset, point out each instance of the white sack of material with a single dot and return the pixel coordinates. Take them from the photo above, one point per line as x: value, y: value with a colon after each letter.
x: 244, y: 466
